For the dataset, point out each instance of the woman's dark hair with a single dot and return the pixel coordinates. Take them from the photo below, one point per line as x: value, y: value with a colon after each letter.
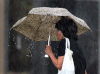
x: 68, y: 27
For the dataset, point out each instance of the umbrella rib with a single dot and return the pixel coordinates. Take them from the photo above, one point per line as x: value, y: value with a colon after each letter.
x: 37, y: 32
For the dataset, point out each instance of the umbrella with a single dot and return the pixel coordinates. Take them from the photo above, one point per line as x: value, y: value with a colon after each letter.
x: 41, y: 20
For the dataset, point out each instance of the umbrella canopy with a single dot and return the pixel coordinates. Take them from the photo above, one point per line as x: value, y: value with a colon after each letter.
x: 39, y: 21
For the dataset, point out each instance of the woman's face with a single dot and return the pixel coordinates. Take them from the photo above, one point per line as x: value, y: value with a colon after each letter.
x: 59, y: 35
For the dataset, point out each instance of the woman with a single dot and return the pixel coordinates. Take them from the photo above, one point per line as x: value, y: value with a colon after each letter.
x: 66, y: 27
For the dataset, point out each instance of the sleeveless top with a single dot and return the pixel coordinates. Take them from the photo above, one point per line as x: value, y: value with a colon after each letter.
x: 78, y: 57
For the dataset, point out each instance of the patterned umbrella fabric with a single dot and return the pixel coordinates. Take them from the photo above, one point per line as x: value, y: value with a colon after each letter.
x: 39, y: 21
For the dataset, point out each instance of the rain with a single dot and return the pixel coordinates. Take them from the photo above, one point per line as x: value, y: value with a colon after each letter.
x: 30, y: 55
x: 25, y: 51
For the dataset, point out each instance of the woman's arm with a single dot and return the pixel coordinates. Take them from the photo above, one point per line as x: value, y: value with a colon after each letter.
x: 57, y: 62
x: 85, y: 72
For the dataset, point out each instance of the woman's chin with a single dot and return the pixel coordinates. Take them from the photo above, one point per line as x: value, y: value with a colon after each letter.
x: 59, y: 39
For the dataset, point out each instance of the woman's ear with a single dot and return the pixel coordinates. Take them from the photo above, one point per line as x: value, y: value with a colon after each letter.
x: 60, y: 32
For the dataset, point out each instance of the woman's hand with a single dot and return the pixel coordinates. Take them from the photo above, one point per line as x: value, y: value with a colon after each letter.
x: 48, y: 50
x: 85, y: 72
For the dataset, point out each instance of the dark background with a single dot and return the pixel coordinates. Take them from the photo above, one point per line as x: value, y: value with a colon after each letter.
x: 35, y: 63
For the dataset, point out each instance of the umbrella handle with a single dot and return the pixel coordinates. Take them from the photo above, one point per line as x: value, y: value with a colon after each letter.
x: 46, y: 56
x: 49, y: 39
x: 48, y: 45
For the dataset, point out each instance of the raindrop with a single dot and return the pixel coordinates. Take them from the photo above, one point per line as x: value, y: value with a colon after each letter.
x: 8, y: 45
x: 31, y: 55
x: 28, y: 55
x: 57, y: 47
x: 96, y: 50
x: 10, y: 29
x: 15, y: 43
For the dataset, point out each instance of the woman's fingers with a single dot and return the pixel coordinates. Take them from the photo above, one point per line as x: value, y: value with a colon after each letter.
x: 48, y: 50
x: 50, y: 46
